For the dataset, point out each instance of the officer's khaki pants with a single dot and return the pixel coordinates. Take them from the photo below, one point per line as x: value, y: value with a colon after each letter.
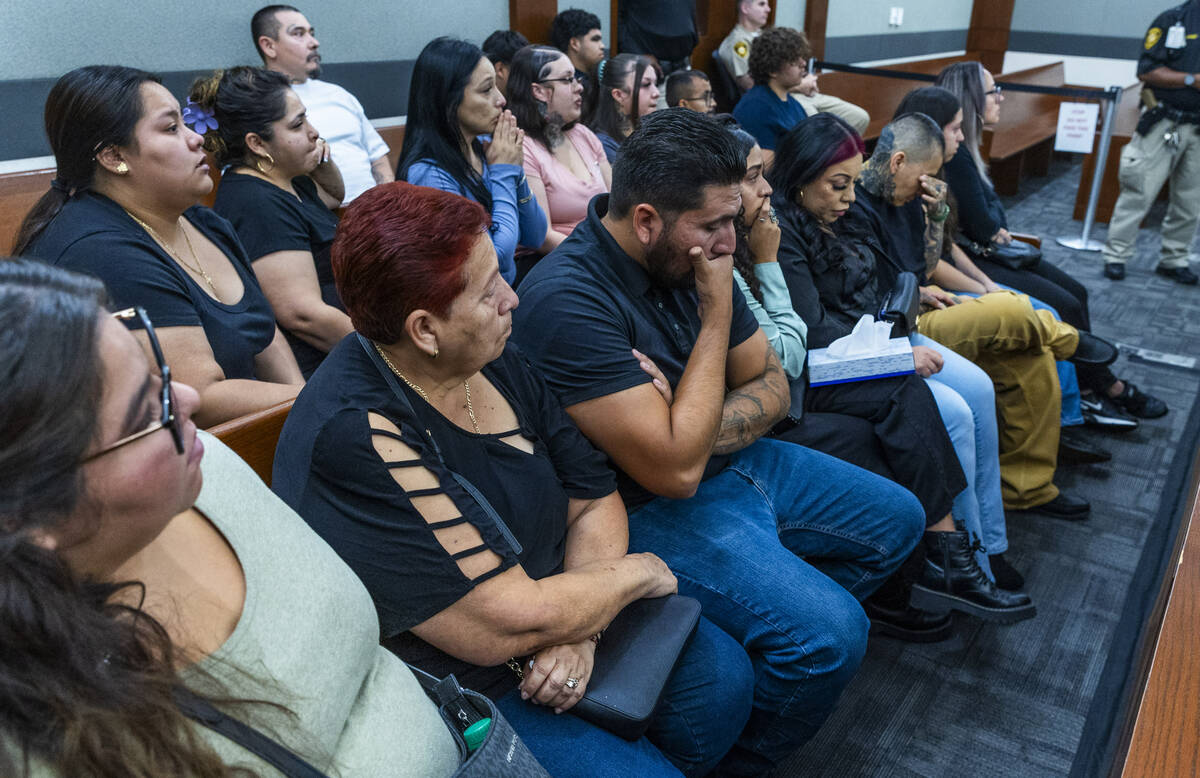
x: 1017, y: 347
x: 1147, y: 161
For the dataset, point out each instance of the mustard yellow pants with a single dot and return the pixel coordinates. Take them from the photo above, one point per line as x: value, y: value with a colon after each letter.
x: 1017, y: 347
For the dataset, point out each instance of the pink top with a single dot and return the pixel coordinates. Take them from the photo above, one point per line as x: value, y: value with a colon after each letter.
x: 567, y: 195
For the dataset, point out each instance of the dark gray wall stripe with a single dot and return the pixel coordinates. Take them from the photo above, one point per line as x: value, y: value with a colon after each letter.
x: 1075, y: 45
x: 381, y: 87
x: 866, y: 48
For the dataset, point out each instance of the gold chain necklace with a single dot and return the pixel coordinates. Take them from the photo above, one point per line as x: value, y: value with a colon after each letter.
x: 197, y: 269
x: 420, y: 391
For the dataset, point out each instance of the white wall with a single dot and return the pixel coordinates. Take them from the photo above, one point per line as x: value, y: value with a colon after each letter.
x: 850, y: 18
x: 1083, y: 71
x: 46, y: 38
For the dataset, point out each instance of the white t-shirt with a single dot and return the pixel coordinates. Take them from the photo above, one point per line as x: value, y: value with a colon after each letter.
x: 340, y: 119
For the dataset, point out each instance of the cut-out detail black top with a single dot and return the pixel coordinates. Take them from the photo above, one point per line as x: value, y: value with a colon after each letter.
x: 328, y: 469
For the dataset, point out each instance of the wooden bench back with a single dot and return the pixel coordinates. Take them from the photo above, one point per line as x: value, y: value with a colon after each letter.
x: 880, y: 96
x: 1026, y: 118
x: 254, y: 436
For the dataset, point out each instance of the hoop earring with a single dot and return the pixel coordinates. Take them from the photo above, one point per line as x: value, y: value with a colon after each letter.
x: 258, y: 164
x: 122, y: 168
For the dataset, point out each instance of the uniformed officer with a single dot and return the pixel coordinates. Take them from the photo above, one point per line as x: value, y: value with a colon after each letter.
x: 1166, y: 145
x: 752, y: 16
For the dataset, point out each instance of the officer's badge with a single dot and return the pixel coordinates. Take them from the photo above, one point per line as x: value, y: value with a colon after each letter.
x: 742, y: 49
x: 1153, y: 37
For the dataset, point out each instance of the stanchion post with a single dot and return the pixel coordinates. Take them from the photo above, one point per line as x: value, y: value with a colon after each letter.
x: 1084, y: 242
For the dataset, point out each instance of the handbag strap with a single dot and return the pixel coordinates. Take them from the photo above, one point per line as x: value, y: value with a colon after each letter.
x: 467, y: 486
x: 263, y: 746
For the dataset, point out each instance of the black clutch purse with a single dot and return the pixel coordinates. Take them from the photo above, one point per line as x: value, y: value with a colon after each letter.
x: 634, y: 662
x: 1015, y: 255
x: 901, y: 305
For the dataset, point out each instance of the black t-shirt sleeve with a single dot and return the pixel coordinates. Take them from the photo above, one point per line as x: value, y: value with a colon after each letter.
x: 742, y: 324
x: 268, y: 219
x: 577, y: 341
x: 581, y: 469
x: 1155, y: 53
x: 134, y: 275
x: 374, y: 525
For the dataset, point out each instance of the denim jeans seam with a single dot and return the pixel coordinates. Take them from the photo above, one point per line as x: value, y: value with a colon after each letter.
x: 697, y: 746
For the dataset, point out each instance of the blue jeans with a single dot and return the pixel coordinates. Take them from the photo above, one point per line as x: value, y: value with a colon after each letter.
x: 702, y: 711
x: 1071, y: 414
x: 979, y: 508
x: 779, y: 547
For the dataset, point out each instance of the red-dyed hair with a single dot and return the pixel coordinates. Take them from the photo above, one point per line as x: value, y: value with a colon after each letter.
x: 400, y: 248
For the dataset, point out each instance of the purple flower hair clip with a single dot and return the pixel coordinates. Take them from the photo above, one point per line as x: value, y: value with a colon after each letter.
x: 197, y: 118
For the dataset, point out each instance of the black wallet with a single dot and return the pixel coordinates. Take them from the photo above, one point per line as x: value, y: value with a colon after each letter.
x: 634, y: 662
x: 901, y: 305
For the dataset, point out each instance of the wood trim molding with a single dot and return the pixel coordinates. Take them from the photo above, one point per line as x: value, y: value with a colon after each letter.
x: 991, y: 23
x: 532, y: 18
x: 816, y: 17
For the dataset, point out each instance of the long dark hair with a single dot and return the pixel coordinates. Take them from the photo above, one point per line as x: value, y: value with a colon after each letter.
x: 965, y: 81
x: 86, y: 682
x: 242, y: 100
x: 743, y: 262
x: 87, y: 110
x: 528, y: 66
x: 807, y: 150
x: 439, y: 78
x: 937, y: 103
x: 603, y: 112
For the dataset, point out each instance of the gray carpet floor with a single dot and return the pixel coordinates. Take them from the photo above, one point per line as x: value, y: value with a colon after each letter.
x: 1011, y: 701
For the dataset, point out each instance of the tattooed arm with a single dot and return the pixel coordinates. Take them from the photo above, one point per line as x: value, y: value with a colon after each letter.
x: 759, y: 396
x: 933, y: 196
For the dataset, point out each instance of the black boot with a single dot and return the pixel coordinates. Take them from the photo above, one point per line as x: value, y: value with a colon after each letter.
x: 952, y: 579
x: 892, y: 615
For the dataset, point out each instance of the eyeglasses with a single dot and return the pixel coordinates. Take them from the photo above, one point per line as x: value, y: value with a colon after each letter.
x: 578, y: 78
x: 168, y: 418
x: 995, y: 90
x: 707, y: 98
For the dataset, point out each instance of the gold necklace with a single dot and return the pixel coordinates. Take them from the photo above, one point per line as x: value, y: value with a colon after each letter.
x: 197, y: 269
x: 420, y: 391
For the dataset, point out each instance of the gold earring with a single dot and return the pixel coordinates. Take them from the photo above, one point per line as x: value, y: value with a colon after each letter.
x: 436, y: 351
x: 258, y: 164
x: 122, y: 168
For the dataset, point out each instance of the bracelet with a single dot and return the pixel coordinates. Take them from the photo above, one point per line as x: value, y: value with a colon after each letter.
x: 942, y: 213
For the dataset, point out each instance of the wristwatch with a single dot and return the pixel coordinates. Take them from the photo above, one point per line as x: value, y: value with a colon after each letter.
x: 1189, y: 80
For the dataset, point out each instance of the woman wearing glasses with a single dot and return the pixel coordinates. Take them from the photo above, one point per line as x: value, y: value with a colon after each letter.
x: 628, y: 91
x: 454, y: 101
x: 142, y: 558
x: 123, y: 207
x: 564, y: 161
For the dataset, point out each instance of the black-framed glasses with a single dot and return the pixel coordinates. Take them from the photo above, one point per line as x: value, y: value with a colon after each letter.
x: 707, y: 98
x: 168, y: 418
x: 995, y: 90
x: 578, y: 78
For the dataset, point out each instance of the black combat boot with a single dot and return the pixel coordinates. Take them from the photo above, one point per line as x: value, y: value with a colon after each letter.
x: 952, y: 579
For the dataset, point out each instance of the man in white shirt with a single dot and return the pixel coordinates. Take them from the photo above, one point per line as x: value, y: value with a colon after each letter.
x: 286, y: 42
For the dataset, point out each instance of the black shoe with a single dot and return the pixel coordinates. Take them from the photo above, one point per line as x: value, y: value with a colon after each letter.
x: 1074, y: 449
x: 1114, y: 271
x: 1064, y: 506
x: 1006, y: 575
x: 1094, y: 351
x: 1180, y: 275
x: 1102, y: 413
x: 952, y: 579
x: 908, y: 623
x: 1137, y: 403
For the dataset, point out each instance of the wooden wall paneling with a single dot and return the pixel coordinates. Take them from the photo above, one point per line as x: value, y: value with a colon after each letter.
x: 816, y: 15
x: 18, y: 193
x: 991, y: 23
x: 532, y: 18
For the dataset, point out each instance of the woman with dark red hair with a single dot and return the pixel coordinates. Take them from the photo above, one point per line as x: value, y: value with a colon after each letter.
x: 413, y: 427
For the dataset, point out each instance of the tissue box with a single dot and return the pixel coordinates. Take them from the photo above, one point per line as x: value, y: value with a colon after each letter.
x: 895, y: 359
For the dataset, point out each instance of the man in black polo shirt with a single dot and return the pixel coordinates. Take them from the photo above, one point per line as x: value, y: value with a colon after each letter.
x: 777, y: 541
x: 1166, y: 146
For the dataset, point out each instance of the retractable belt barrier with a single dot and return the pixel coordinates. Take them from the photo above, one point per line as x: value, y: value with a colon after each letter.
x: 1110, y: 97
